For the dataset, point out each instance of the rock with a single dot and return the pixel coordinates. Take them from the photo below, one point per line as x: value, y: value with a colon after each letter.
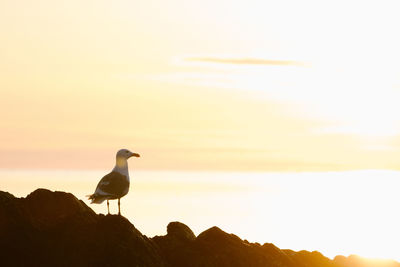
x: 306, y: 258
x: 180, y: 231
x: 276, y: 256
x: 215, y: 247
x: 177, y: 246
x: 56, y: 229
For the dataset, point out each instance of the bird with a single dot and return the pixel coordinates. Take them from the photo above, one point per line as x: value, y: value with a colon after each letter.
x: 114, y: 185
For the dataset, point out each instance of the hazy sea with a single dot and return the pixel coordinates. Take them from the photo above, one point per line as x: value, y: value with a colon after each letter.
x: 354, y: 212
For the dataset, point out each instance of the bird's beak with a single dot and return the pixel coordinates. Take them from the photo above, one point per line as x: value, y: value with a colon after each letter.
x: 135, y: 155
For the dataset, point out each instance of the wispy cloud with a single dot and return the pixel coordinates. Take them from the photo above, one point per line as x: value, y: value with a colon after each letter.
x: 245, y: 61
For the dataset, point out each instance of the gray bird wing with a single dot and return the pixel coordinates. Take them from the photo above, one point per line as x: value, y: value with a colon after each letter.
x: 113, y: 184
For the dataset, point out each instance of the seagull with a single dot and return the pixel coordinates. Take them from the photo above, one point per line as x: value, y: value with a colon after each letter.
x: 115, y: 184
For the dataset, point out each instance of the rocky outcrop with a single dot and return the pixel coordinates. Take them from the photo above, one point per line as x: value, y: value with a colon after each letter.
x: 56, y: 229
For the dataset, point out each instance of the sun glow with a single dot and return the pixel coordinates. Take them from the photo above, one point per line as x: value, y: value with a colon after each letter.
x: 350, y: 99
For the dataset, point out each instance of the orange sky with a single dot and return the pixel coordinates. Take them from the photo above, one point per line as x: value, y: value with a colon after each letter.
x: 255, y: 86
x: 243, y: 85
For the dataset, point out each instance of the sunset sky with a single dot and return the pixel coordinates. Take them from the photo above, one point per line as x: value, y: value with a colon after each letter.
x: 206, y: 85
x: 302, y: 94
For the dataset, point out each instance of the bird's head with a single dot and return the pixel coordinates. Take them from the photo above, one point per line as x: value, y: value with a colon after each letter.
x: 126, y: 154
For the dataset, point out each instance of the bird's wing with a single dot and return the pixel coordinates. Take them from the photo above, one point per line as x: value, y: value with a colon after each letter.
x: 114, y: 184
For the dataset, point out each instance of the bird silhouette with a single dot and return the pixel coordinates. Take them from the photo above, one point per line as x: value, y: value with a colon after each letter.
x: 114, y: 185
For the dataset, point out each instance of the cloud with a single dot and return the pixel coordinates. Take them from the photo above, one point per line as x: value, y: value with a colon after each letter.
x: 245, y: 61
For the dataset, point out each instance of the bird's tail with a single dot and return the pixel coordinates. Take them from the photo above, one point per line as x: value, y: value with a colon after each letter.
x: 96, y: 198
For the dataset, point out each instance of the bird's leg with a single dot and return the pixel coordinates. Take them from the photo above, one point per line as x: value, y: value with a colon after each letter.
x: 119, y: 211
x: 108, y: 207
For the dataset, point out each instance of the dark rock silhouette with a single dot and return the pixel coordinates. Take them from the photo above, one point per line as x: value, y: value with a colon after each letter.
x: 56, y: 229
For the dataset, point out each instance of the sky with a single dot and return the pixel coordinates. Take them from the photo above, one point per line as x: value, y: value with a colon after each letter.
x: 210, y: 85
x: 303, y: 94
